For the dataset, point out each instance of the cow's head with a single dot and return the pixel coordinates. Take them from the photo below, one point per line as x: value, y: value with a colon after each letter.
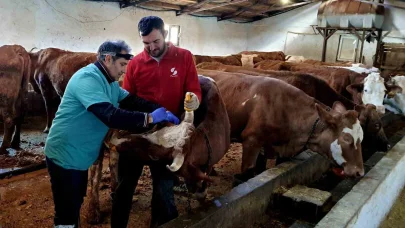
x: 397, y: 104
x: 165, y: 143
x: 372, y: 126
x: 398, y: 81
x: 210, y: 141
x: 341, y: 138
x: 373, y: 91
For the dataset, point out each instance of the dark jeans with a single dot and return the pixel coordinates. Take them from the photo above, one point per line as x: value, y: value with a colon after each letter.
x: 68, y: 190
x: 163, y: 205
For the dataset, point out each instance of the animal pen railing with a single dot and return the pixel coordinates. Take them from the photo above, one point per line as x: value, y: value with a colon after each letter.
x: 391, y: 58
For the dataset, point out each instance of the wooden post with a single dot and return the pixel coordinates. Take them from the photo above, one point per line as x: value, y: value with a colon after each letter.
x: 326, y: 34
x: 377, y: 58
x: 362, y: 46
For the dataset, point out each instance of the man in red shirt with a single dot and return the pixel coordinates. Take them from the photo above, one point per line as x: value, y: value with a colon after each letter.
x: 162, y: 74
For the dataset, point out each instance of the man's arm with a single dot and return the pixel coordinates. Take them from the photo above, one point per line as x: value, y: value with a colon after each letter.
x: 118, y: 118
x: 133, y: 102
x: 90, y: 93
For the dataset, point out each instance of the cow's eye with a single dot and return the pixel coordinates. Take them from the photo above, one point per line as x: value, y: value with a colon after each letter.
x: 365, y: 90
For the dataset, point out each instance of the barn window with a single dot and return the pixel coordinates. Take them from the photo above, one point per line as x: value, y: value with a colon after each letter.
x: 173, y: 32
x: 347, y: 48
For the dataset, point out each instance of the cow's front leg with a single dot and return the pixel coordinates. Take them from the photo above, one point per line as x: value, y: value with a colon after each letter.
x: 93, y: 215
x: 114, y: 155
x: 251, y: 149
x: 50, y: 99
x: 15, y: 143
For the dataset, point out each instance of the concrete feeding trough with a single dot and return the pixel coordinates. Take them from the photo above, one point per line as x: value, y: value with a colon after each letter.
x: 315, y: 196
x: 248, y: 202
x: 370, y: 200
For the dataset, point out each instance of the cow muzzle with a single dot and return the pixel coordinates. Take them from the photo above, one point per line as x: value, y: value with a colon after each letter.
x: 353, y: 171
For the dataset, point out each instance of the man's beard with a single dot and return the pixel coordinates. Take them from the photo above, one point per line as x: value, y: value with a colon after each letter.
x: 160, y: 53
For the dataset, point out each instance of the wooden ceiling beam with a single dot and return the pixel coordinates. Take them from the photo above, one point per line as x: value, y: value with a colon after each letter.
x: 127, y: 3
x: 194, y: 6
x: 193, y: 9
x: 266, y: 12
x: 240, y: 11
x: 162, y: 5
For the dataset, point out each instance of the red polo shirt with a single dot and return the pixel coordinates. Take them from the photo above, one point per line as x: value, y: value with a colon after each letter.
x: 165, y: 82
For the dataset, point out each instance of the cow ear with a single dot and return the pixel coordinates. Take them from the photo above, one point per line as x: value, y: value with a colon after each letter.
x: 339, y: 107
x: 392, y: 90
x: 325, y: 116
x: 355, y: 88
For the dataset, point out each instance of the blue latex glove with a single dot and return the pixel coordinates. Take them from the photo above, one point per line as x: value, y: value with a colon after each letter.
x: 172, y: 118
x: 159, y: 115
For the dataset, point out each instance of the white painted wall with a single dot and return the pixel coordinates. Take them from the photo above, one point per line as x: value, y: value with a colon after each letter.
x: 291, y: 32
x: 82, y: 26
x: 79, y: 25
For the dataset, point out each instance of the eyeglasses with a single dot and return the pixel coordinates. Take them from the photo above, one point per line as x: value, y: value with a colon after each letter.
x: 119, y: 55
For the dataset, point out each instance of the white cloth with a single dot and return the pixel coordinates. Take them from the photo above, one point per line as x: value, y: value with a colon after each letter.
x: 193, y: 103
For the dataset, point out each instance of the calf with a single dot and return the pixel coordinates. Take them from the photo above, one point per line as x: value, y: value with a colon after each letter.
x: 269, y: 113
x: 320, y: 90
x: 53, y: 70
x: 191, y: 148
x: 14, y: 77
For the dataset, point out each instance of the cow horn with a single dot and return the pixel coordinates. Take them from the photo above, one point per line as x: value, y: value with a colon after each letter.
x: 177, y: 163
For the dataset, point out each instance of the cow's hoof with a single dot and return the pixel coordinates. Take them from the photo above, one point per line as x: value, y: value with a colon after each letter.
x: 15, y: 146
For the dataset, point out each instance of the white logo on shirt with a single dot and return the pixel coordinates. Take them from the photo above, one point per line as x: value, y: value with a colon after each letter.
x: 174, y: 72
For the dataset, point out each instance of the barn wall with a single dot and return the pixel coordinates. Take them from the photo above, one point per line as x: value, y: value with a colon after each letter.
x: 83, y: 25
x: 292, y: 33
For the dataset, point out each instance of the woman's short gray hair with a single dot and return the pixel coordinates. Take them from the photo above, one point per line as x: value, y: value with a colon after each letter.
x: 115, y: 46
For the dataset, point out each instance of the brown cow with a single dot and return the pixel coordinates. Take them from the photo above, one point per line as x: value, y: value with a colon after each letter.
x: 34, y: 60
x: 261, y: 55
x: 14, y: 77
x: 53, y: 70
x: 203, y: 146
x: 269, y: 113
x: 320, y: 63
x: 320, y: 90
x: 345, y: 81
x: 337, y: 78
x: 227, y: 60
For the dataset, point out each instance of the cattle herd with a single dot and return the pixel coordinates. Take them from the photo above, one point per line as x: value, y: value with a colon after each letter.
x: 275, y: 105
